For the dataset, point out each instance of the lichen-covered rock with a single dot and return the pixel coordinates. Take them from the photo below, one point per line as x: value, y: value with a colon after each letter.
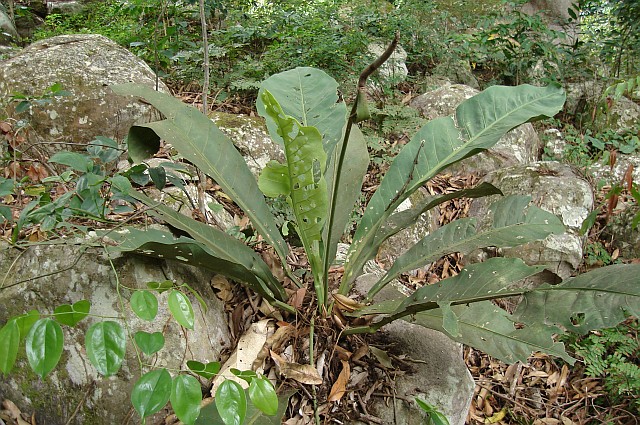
x: 43, y: 277
x: 251, y: 137
x: 609, y: 174
x: 85, y: 65
x: 556, y: 188
x: 520, y: 146
x: 625, y: 237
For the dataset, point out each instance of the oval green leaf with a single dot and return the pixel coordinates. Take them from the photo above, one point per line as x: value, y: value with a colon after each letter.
x: 151, y: 392
x: 207, y: 371
x: 181, y: 309
x: 106, y: 345
x: 44, y: 346
x: 26, y: 321
x: 149, y: 343
x: 70, y: 315
x: 160, y: 286
x: 231, y: 403
x: 263, y: 395
x: 145, y: 305
x: 10, y: 337
x: 186, y: 396
x: 247, y: 375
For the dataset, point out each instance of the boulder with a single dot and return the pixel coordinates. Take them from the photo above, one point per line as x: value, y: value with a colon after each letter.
x: 555, y: 188
x: 520, y: 146
x: 556, y: 15
x: 394, y: 70
x: 85, y: 65
x: 8, y: 32
x: 625, y: 237
x: 45, y: 276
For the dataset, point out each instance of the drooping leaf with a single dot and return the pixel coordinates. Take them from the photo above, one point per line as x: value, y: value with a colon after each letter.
x: 207, y: 371
x: 151, y: 392
x: 149, y: 343
x: 10, y: 337
x: 186, y: 396
x: 306, y: 162
x: 514, y: 223
x: 144, y: 304
x: 601, y: 298
x: 106, y: 345
x: 479, y: 123
x: 231, y: 403
x: 310, y: 96
x: 263, y: 395
x: 70, y: 315
x: 488, y: 328
x: 198, y: 139
x: 44, y: 346
x: 181, y: 309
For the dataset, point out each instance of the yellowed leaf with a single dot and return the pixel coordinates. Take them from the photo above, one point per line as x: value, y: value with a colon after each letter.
x: 340, y: 386
x: 305, y: 374
x: 497, y: 417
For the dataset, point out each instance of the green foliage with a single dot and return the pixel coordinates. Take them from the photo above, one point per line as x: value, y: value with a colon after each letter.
x: 435, y: 417
x: 612, y: 354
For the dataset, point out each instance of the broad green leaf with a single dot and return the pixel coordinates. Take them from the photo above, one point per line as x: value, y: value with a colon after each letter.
x: 210, y: 416
x: 601, y: 298
x: 44, y: 346
x: 488, y: 328
x: 310, y: 96
x: 181, y: 309
x: 26, y: 321
x: 514, y: 223
x: 77, y: 161
x: 306, y: 162
x: 479, y: 123
x: 104, y: 148
x: 186, y: 396
x: 207, y: 371
x: 274, y: 180
x: 197, y: 139
x: 263, y: 395
x: 144, y: 304
x: 106, y: 344
x: 231, y: 403
x: 10, y: 337
x: 149, y: 343
x: 70, y: 315
x: 158, y: 176
x: 151, y: 392
x: 354, y: 169
x: 435, y: 416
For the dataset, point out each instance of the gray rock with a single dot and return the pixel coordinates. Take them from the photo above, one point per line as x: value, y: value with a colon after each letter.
x: 520, y: 146
x: 66, y: 7
x: 85, y: 65
x: 441, y: 377
x: 622, y: 116
x: 556, y: 188
x: 45, y: 276
x: 604, y: 172
x: 394, y: 70
x: 8, y: 32
x: 556, y: 14
x: 625, y: 237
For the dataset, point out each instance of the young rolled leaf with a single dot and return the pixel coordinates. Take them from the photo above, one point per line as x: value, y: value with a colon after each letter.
x: 601, y: 298
x: 106, y: 345
x: 311, y: 97
x: 231, y: 403
x: 479, y: 123
x: 10, y: 337
x: 198, y: 140
x: 181, y: 309
x: 44, y: 346
x: 185, y: 398
x: 151, y: 392
x: 514, y: 223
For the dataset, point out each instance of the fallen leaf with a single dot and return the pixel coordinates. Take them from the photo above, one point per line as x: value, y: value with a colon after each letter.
x: 37, y: 172
x: 297, y: 299
x: 340, y: 386
x: 362, y: 351
x: 497, y: 417
x: 222, y: 288
x: 345, y: 303
x: 305, y: 374
x: 382, y: 357
x: 343, y: 353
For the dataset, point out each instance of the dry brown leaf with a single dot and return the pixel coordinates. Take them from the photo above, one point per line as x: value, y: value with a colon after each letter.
x: 37, y: 172
x: 305, y: 374
x: 362, y: 351
x: 340, y: 386
x: 222, y: 288
x: 343, y: 353
x: 5, y: 127
x: 345, y: 303
x: 297, y: 299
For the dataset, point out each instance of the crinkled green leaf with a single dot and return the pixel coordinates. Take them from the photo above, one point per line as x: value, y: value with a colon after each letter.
x: 151, y: 392
x: 181, y: 309
x: 186, y: 396
x: 106, y: 345
x: 10, y: 337
x: 144, y: 304
x: 263, y: 395
x: 479, y: 123
x: 70, y: 315
x: 198, y: 140
x: 601, y: 298
x: 44, y: 346
x: 231, y: 403
x: 149, y: 343
x: 310, y: 96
